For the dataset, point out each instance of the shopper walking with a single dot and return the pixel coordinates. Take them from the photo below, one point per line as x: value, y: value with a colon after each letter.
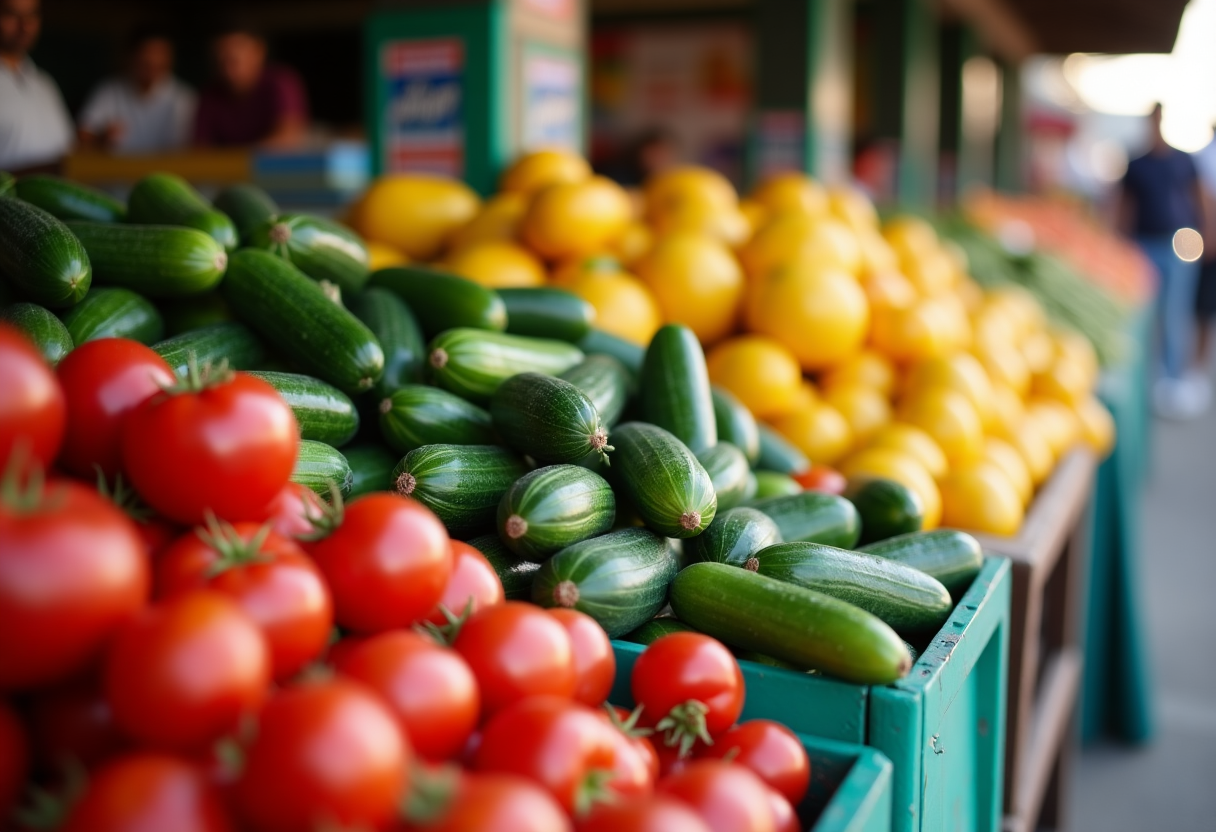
x: 1205, y: 297
x: 35, y: 128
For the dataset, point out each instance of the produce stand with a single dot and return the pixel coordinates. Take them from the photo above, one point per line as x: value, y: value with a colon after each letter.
x: 215, y: 167
x: 942, y: 725
x: 1047, y: 557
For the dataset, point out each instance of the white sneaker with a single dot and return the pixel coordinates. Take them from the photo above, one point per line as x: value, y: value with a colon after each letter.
x: 1180, y: 400
x: 1199, y: 389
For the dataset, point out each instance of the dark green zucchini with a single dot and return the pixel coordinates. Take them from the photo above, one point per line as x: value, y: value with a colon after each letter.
x: 548, y: 419
x: 728, y: 470
x: 184, y: 314
x: 416, y: 415
x: 69, y: 200
x: 516, y: 575
x: 114, y: 313
x: 472, y: 362
x: 674, y: 388
x: 40, y: 325
x: 231, y: 342
x: 814, y: 517
x: 551, y: 508
x: 663, y: 480
x: 318, y: 465
x: 443, y: 301
x: 777, y: 454
x: 167, y: 199
x: 547, y: 312
x: 323, y: 412
x: 887, y: 508
x: 605, y: 381
x: 620, y: 579
x: 295, y: 317
x: 40, y: 258
x: 462, y: 484
x: 950, y: 556
x: 736, y: 424
x: 248, y: 206
x: 321, y: 248
x: 371, y: 467
x: 655, y: 629
x: 733, y: 537
x: 399, y: 334
x: 772, y: 484
x: 158, y: 261
x: 598, y: 342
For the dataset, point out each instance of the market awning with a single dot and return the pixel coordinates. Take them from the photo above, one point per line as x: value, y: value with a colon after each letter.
x: 1064, y: 26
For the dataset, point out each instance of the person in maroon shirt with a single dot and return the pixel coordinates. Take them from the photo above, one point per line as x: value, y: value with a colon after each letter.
x: 251, y: 102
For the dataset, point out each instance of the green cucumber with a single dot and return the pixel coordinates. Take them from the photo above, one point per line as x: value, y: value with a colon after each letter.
x: 778, y: 454
x: 321, y: 248
x: 606, y: 382
x: 318, y: 465
x: 772, y: 484
x: 69, y: 200
x: 371, y: 467
x: 399, y: 334
x: 516, y: 575
x: 728, y: 470
x: 184, y: 314
x: 733, y: 537
x: 551, y: 508
x: 806, y: 628
x: 443, y: 301
x: 167, y: 199
x: 675, y: 388
x: 248, y: 206
x: 230, y: 341
x: 40, y: 258
x: 40, y: 325
x: 663, y: 480
x: 114, y: 313
x: 472, y: 362
x: 887, y: 508
x: 546, y: 312
x: 950, y: 556
x: 736, y: 424
x: 158, y: 261
x: 814, y: 517
x: 655, y: 629
x: 416, y: 415
x: 904, y: 597
x: 7, y: 181
x: 295, y: 316
x: 620, y: 579
x: 323, y: 412
x: 766, y: 660
x: 462, y: 484
x: 598, y: 342
x: 548, y: 419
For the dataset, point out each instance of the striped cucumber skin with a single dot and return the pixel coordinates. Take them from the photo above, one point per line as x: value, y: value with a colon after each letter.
x: 472, y: 362
x: 605, y: 381
x: 40, y: 258
x: 598, y: 342
x: 950, y: 556
x: 736, y: 424
x: 777, y: 454
x: 167, y: 199
x: 69, y: 200
x: 619, y: 579
x: 663, y: 480
x: 547, y: 312
x: 674, y: 388
x: 903, y: 597
x: 772, y: 484
x: 399, y: 333
x: 230, y: 341
x: 548, y: 419
x: 417, y: 415
x: 730, y: 474
x: 158, y: 261
x: 248, y: 206
x: 462, y: 484
x: 887, y: 508
x: 516, y: 575
x: 318, y: 465
x: 655, y: 629
x: 114, y: 313
x: 321, y: 248
x: 323, y: 412
x: 806, y: 628
x: 296, y: 318
x: 443, y: 301
x: 40, y: 325
x: 371, y: 467
x: 814, y: 517
x: 186, y: 314
x: 551, y: 508
x: 733, y: 537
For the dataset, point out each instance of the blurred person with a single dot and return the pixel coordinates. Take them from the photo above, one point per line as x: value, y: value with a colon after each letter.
x: 35, y: 128
x: 1205, y: 296
x: 1161, y: 194
x: 875, y: 165
x: 147, y: 110
x: 251, y: 102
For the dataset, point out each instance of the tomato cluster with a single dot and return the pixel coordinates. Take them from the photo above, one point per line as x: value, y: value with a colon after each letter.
x: 229, y: 652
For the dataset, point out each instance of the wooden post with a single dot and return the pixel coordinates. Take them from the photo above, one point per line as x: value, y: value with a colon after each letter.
x: 1010, y: 164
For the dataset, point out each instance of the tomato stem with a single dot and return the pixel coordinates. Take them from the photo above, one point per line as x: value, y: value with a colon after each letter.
x: 328, y: 520
x: 446, y: 634
x: 232, y: 549
x: 44, y: 809
x: 592, y: 790
x: 684, y: 725
x: 23, y: 487
x: 629, y: 725
x: 198, y: 379
x: 432, y: 790
x: 123, y: 496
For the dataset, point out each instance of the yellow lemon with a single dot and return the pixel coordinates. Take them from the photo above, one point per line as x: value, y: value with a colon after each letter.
x: 819, y: 432
x: 867, y: 368
x: 864, y: 408
x: 498, y: 265
x: 381, y: 256
x: 697, y: 282
x: 623, y: 304
x: 1008, y: 410
x: 787, y: 237
x: 899, y: 436
x: 1039, y: 351
x: 755, y: 214
x: 565, y: 271
x: 925, y: 329
x: 671, y: 191
x: 950, y: 418
x: 821, y: 315
x: 932, y: 273
x: 542, y: 168
x: 807, y: 396
x: 1004, y: 364
x: 793, y: 192
x: 728, y: 225
x: 1057, y: 422
x: 958, y: 371
x: 1020, y: 306
x: 877, y: 256
x: 903, y: 468
x: 911, y: 237
x: 1006, y: 457
x: 980, y: 498
x: 1075, y: 347
x: 414, y: 213
x: 633, y: 243
x: 1027, y: 439
x: 1097, y: 425
x: 970, y: 293
x: 1065, y: 380
x: 577, y: 218
x: 889, y: 290
x: 758, y: 371
x: 852, y: 207
x: 497, y: 221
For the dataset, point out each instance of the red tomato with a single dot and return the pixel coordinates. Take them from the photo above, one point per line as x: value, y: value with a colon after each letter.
x: 291, y: 510
x: 636, y: 767
x: 653, y: 813
x: 785, y: 819
x: 594, y: 661
x: 274, y: 582
x: 72, y: 570
x: 770, y: 750
x: 32, y: 408
x: 669, y: 757
x: 386, y: 565
x: 14, y: 759
x: 73, y: 722
x: 104, y: 380
x: 728, y: 798
x: 821, y: 478
x: 500, y: 803
x: 226, y: 445
x: 625, y: 722
x: 147, y: 791
x: 325, y: 753
x: 559, y: 744
x: 517, y: 650
x: 692, y: 680
x: 429, y: 689
x: 156, y: 533
x: 186, y: 671
x: 473, y: 580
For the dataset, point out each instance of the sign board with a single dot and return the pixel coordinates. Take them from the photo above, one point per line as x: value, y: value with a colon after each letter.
x: 423, y: 119
x: 552, y: 91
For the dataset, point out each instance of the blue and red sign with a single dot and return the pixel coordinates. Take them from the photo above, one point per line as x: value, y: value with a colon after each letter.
x: 423, y: 119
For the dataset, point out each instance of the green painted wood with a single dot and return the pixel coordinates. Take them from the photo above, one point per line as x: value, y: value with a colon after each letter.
x: 1010, y: 160
x: 918, y: 146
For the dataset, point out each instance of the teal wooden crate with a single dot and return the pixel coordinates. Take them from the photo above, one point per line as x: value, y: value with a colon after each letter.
x: 942, y: 726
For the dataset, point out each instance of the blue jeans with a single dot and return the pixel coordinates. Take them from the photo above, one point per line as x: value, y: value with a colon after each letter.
x: 1175, y: 304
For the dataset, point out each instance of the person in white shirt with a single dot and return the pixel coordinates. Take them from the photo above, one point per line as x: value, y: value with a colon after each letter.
x: 147, y: 110
x: 35, y: 128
